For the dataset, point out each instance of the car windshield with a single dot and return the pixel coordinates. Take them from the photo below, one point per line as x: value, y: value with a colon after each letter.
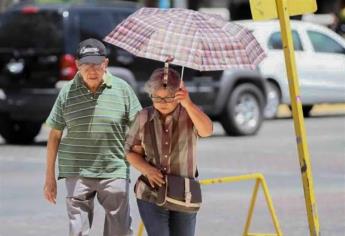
x: 31, y: 30
x: 324, y: 43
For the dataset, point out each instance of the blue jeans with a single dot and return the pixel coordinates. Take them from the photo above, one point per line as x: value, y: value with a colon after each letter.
x: 161, y: 222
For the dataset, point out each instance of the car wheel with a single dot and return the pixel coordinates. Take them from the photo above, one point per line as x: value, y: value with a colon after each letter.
x: 273, y: 101
x: 306, y: 110
x: 243, y: 114
x: 18, y: 132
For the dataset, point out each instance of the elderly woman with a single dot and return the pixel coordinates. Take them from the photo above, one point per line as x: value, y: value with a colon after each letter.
x: 177, y: 123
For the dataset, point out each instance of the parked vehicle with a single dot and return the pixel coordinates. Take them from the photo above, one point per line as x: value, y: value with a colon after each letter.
x: 320, y: 59
x: 37, y: 47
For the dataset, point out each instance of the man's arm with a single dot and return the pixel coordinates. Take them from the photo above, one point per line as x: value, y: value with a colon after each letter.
x: 50, y: 189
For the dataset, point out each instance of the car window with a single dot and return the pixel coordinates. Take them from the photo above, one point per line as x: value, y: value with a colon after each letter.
x: 120, y: 16
x: 36, y: 30
x: 324, y: 43
x: 94, y: 24
x: 275, y: 41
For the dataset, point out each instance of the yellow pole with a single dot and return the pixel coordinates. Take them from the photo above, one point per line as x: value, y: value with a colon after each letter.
x: 141, y: 229
x: 259, y: 179
x: 297, y: 113
x: 251, y: 207
x: 230, y: 179
x: 270, y: 206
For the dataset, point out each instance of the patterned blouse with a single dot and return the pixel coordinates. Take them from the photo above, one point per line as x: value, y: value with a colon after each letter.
x: 176, y: 144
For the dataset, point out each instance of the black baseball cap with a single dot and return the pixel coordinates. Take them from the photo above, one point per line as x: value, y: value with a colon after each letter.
x: 91, y: 51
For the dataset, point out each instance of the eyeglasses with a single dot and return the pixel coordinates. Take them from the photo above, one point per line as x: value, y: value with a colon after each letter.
x: 163, y: 99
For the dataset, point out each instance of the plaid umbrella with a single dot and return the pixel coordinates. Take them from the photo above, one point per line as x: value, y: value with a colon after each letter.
x: 188, y: 38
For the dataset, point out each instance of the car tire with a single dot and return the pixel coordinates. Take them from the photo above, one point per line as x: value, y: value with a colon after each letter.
x: 273, y: 101
x: 243, y: 114
x: 306, y: 110
x: 18, y: 132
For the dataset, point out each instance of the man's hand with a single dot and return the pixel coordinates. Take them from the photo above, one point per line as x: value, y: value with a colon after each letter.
x: 50, y: 190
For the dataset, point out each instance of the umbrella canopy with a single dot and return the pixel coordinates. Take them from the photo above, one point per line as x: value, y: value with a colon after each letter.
x: 188, y: 38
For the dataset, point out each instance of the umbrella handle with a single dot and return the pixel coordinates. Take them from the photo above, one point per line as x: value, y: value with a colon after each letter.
x: 182, y: 70
x: 166, y: 70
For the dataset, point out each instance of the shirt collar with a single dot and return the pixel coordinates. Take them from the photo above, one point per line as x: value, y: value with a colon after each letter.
x: 106, y: 80
x: 175, y: 114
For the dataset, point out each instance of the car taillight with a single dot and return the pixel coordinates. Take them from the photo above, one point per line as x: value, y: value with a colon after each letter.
x: 68, y: 67
x: 30, y: 10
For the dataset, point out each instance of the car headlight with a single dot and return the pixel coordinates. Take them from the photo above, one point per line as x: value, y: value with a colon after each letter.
x: 2, y: 95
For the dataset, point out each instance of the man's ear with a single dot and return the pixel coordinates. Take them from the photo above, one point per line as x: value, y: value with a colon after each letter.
x: 77, y: 64
x: 106, y: 62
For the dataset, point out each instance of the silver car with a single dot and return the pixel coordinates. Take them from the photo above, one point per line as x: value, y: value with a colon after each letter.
x: 320, y: 59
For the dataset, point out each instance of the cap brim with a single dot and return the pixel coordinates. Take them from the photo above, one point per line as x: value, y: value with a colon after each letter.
x: 92, y: 60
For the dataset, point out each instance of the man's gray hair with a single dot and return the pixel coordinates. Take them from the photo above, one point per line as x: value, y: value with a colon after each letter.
x: 156, y: 81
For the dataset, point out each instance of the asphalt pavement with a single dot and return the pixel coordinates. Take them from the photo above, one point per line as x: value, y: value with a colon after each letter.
x: 273, y: 152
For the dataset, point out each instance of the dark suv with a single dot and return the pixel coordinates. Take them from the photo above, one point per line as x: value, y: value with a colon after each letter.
x: 37, y: 48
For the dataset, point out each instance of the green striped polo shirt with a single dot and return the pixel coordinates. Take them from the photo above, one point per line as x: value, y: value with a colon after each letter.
x: 96, y: 125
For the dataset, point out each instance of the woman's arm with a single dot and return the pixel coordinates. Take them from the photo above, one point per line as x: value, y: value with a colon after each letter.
x: 153, y: 174
x: 201, y: 121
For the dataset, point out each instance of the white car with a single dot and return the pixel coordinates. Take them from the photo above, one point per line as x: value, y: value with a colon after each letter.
x: 320, y: 59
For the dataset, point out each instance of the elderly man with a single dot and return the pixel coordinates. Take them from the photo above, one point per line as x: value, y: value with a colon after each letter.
x: 96, y: 108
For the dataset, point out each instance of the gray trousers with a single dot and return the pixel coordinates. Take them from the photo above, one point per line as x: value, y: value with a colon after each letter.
x: 112, y: 194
